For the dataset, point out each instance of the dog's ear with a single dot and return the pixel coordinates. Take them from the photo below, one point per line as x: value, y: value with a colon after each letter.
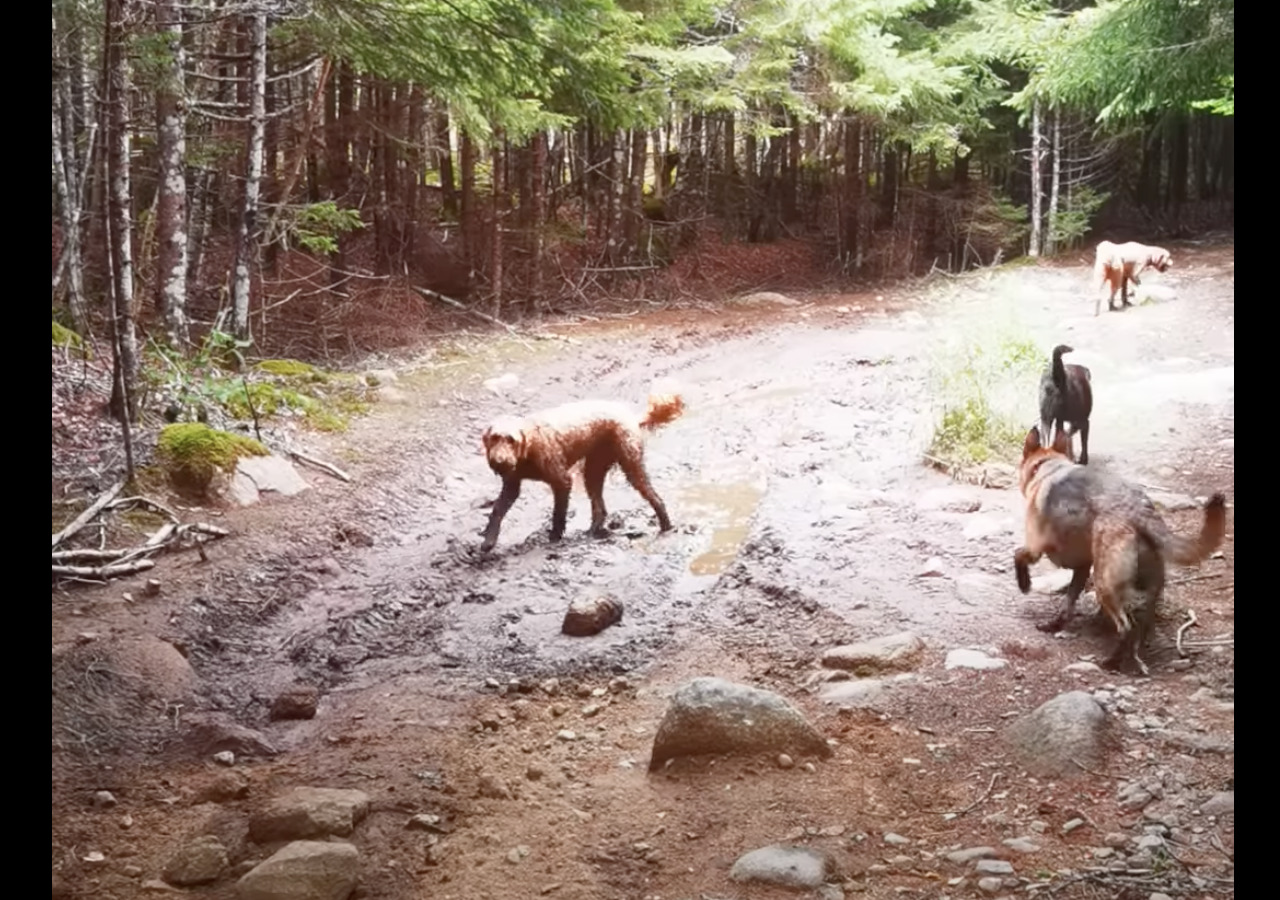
x: 1062, y: 442
x: 1032, y: 442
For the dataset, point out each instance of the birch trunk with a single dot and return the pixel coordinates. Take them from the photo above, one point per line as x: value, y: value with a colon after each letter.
x: 247, y: 227
x: 120, y: 218
x: 1037, y: 180
x: 171, y: 126
x: 1055, y: 184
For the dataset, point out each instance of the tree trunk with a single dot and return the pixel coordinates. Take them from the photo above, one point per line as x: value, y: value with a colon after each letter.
x: 635, y: 198
x: 790, y: 199
x: 120, y: 217
x: 246, y: 233
x: 613, y: 183
x: 1055, y: 184
x: 1037, y: 180
x: 444, y: 161
x: 853, y: 190
x: 889, y: 186
x: 171, y: 217
x: 470, y: 242
x: 538, y: 211
x: 1178, y: 162
x: 499, y: 211
x: 338, y: 134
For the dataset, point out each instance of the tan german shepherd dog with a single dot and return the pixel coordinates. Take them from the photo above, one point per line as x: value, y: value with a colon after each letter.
x: 1084, y: 519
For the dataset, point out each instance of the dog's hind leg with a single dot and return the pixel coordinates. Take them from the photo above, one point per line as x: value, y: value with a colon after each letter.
x: 560, y: 490
x: 510, y: 494
x: 1084, y: 443
x: 633, y: 467
x: 1079, y: 578
x: 594, y: 471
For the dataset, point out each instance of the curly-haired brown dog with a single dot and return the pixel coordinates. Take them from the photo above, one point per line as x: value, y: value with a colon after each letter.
x: 1115, y: 265
x: 1084, y: 519
x: 546, y: 446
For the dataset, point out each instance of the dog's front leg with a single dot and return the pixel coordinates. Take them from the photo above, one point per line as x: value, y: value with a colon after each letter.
x: 510, y: 494
x: 1079, y: 578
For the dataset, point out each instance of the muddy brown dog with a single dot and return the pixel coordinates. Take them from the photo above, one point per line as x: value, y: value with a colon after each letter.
x: 1084, y: 519
x: 1115, y: 265
x: 548, y: 444
x: 1066, y: 398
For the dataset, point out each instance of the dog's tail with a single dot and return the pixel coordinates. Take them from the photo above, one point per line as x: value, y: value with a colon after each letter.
x: 1188, y: 551
x: 663, y: 409
x: 1060, y: 370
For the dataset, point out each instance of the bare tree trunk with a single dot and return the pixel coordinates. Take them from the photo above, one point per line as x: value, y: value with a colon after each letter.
x: 852, y: 190
x: 499, y: 208
x: 1051, y: 244
x: 444, y: 160
x: 1037, y: 180
x: 246, y: 233
x: 120, y: 219
x: 538, y: 198
x: 470, y: 242
x: 635, y: 198
x: 171, y: 127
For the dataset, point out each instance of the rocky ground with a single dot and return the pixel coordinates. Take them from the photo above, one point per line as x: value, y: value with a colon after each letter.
x: 345, y: 699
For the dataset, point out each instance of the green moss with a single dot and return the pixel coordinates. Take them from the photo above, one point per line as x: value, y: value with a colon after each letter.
x: 65, y: 337
x: 292, y: 368
x: 192, y: 453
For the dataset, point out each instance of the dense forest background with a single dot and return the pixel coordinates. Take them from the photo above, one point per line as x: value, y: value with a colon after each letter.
x: 315, y: 176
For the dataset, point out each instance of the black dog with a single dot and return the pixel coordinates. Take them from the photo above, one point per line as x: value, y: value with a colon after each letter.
x: 1066, y: 397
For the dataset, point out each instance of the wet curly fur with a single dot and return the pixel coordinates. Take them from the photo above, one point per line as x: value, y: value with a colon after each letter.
x: 547, y: 445
x: 1115, y: 265
x: 1066, y: 398
x: 1084, y: 520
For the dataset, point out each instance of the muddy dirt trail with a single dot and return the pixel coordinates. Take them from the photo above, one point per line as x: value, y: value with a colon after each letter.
x: 805, y: 518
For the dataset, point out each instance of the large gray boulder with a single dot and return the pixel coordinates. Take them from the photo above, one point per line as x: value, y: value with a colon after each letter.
x: 1060, y: 736
x: 793, y: 867
x: 711, y: 715
x: 305, y: 812
x: 303, y: 870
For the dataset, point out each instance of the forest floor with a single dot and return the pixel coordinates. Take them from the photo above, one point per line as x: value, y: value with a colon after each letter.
x: 805, y: 518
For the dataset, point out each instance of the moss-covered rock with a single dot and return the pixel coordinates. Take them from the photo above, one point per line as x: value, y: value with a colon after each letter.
x: 193, y: 453
x: 65, y: 337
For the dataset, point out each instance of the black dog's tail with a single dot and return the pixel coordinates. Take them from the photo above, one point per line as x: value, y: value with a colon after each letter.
x: 1060, y: 370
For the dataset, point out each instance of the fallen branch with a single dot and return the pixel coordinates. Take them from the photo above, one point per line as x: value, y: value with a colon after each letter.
x: 102, y: 573
x: 493, y: 320
x: 982, y: 799
x: 94, y: 555
x: 1191, y: 620
x: 83, y: 519
x: 321, y: 465
x: 1205, y: 576
x: 156, y: 506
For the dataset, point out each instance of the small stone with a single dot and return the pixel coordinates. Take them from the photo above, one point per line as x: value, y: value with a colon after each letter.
x: 932, y: 568
x: 619, y: 685
x: 223, y: 787
x: 566, y: 735
x: 305, y: 812
x: 104, y: 799
x: 550, y: 687
x: 1103, y: 852
x: 493, y: 787
x: 1219, y: 804
x: 961, y: 658
x: 200, y: 862
x: 304, y: 870
x: 534, y: 772
x: 1083, y: 667
x: 1116, y: 839
x: 1150, y: 842
x: 1158, y: 896
x: 152, y: 588
x: 94, y: 857
x: 794, y: 867
x: 425, y: 822
x: 1021, y: 845
x: 895, y: 651
x: 590, y: 710
x: 1072, y: 825
x: 1038, y: 826
x: 785, y: 761
x: 962, y: 857
x: 896, y: 839
x: 516, y: 854
x: 225, y: 758
x: 990, y: 884
x: 810, y: 768
x: 296, y: 703
x: 591, y: 615
x: 131, y: 871
x: 993, y: 867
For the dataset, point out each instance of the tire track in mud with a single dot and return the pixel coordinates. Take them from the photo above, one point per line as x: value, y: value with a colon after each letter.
x: 803, y: 512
